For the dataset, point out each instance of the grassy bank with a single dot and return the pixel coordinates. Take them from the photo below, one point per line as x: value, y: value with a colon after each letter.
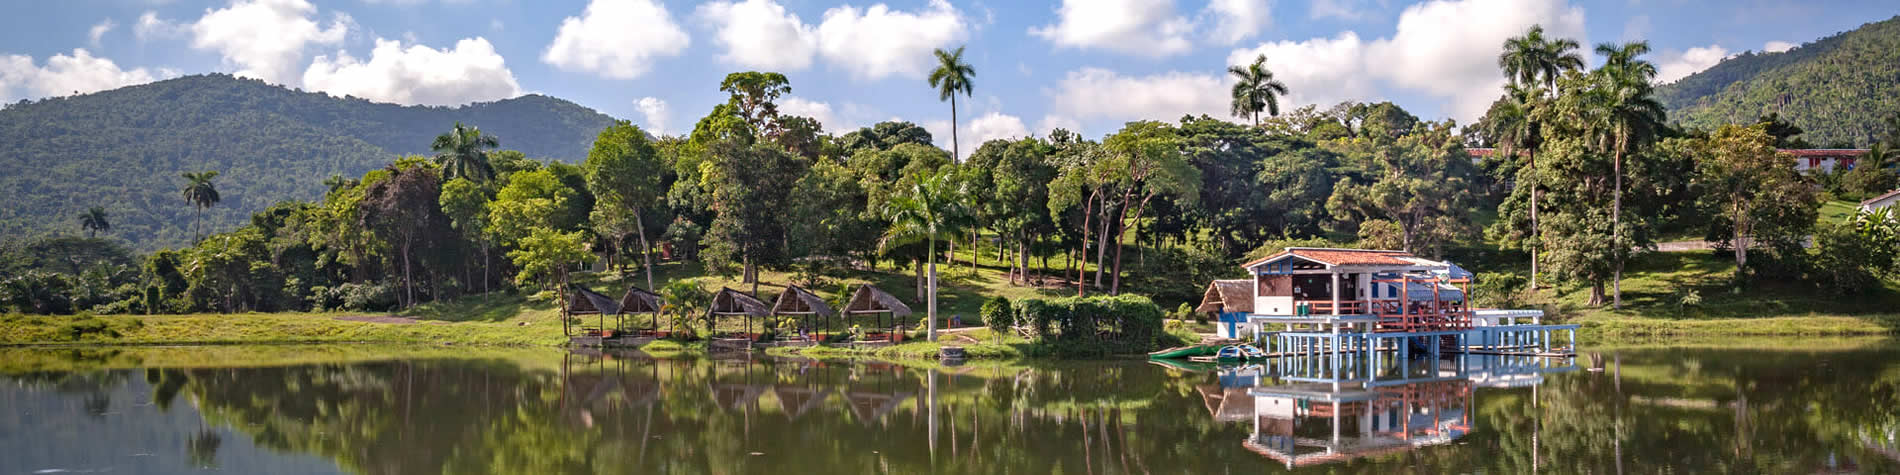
x: 1690, y: 294
x: 527, y: 327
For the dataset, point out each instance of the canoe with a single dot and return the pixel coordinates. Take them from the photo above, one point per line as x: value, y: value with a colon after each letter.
x: 1184, y: 352
x: 1240, y: 353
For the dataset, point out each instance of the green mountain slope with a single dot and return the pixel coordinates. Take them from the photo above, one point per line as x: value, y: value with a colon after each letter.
x: 1837, y: 88
x: 124, y: 149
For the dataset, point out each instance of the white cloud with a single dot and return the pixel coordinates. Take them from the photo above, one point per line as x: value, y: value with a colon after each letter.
x: 78, y: 73
x: 877, y: 42
x: 1778, y: 46
x: 803, y: 107
x: 761, y: 34
x: 939, y: 131
x: 617, y: 39
x: 1236, y: 20
x: 1138, y: 27
x: 418, y: 74
x: 494, y: 24
x: 993, y: 126
x: 266, y: 39
x: 99, y: 31
x: 1337, y: 9
x: 1673, y: 65
x: 1443, y: 48
x: 1095, y: 93
x: 656, y: 112
x: 1636, y: 28
x: 1050, y: 123
x: 151, y: 26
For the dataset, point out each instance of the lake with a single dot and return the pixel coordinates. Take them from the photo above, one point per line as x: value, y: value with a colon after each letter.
x: 1756, y: 407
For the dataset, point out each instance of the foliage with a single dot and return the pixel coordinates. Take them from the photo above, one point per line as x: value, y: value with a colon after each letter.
x: 1845, y: 85
x: 546, y: 254
x: 997, y: 314
x: 1255, y: 90
x: 1752, y: 194
x: 1099, y: 326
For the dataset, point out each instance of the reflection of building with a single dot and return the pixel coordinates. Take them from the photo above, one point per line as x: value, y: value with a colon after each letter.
x: 1300, y: 416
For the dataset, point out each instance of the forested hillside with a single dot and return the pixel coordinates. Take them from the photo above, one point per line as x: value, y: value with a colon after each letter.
x: 1837, y: 88
x: 124, y: 149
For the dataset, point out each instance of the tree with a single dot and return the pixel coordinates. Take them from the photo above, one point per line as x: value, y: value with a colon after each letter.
x: 1633, y: 117
x: 1755, y: 196
x: 930, y: 208
x: 751, y: 95
x: 462, y: 153
x: 546, y: 253
x: 94, y: 221
x: 1420, y: 182
x: 1533, y: 60
x: 1150, y: 152
x: 1513, y: 128
x: 1082, y: 177
x: 533, y: 200
x: 403, y: 211
x: 828, y: 208
x: 951, y: 77
x: 624, y: 171
x: 746, y: 184
x: 466, y: 205
x: 1255, y: 90
x: 201, y: 193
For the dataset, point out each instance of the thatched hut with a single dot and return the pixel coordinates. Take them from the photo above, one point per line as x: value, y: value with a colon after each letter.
x: 730, y: 302
x: 1230, y: 301
x: 638, y: 301
x: 870, y: 300
x: 801, y: 303
x: 582, y: 301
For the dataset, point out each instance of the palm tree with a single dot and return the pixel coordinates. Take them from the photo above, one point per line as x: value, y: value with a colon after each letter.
x: 201, y: 193
x: 1532, y: 63
x: 1255, y: 90
x: 1511, y: 125
x: 1632, y: 115
x: 931, y: 208
x: 462, y: 153
x: 951, y: 77
x: 94, y: 221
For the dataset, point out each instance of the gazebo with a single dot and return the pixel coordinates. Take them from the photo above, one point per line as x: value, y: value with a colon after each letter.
x: 868, y: 299
x: 638, y: 300
x: 587, y: 302
x: 1230, y: 301
x: 802, y: 303
x: 730, y: 302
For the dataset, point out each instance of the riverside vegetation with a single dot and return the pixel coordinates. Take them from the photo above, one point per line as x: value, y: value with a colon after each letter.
x: 475, y: 243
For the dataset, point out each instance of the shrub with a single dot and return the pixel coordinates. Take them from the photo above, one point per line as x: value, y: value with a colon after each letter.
x: 1094, y: 325
x: 997, y: 315
x: 1498, y: 289
x: 361, y: 297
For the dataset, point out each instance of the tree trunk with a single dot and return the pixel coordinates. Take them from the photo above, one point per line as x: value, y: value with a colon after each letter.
x: 1616, y: 226
x: 956, y: 154
x: 1101, y: 244
x: 931, y: 303
x: 1537, y: 236
x: 1116, y: 287
x: 1022, y: 259
x: 1081, y: 276
x: 1596, y: 293
x: 918, y: 266
x: 408, y: 284
x: 646, y: 250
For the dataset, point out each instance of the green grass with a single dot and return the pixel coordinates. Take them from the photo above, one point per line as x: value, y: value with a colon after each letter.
x: 1836, y: 211
x: 494, y: 320
x: 1655, y: 283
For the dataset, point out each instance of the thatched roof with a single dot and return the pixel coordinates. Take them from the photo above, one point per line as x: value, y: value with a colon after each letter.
x: 1223, y: 296
x: 733, y: 302
x: 638, y: 300
x: 588, y: 302
x: 870, y: 299
x: 797, y: 301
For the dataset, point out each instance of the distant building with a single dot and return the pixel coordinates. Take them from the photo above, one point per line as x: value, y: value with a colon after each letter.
x: 1826, y: 160
x: 1882, y: 201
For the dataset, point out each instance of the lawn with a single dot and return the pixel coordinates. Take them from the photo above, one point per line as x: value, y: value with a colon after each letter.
x: 1656, y: 287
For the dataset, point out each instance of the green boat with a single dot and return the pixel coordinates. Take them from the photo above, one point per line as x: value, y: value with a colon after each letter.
x: 1184, y: 352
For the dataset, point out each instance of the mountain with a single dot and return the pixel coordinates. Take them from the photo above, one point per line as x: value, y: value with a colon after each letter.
x: 1838, y: 89
x: 124, y: 149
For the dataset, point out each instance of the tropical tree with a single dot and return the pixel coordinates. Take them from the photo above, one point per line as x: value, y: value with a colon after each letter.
x: 94, y: 221
x: 1150, y: 152
x: 1753, y: 194
x: 1511, y: 126
x: 1633, y: 117
x: 1535, y: 62
x: 1255, y: 90
x: 624, y: 171
x: 404, y: 211
x: 951, y: 77
x: 930, y: 208
x: 201, y: 193
x: 463, y: 153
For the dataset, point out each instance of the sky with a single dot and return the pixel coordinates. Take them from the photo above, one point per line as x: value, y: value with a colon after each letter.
x: 1085, y: 65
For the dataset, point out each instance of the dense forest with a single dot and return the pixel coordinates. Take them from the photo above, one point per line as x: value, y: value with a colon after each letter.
x: 1837, y: 89
x: 124, y: 149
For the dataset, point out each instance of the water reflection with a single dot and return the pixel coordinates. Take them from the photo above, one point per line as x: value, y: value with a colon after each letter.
x: 1639, y: 411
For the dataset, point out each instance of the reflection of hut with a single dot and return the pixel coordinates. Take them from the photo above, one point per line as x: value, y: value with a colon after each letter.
x: 801, y: 303
x: 873, y: 406
x: 1230, y: 301
x: 730, y: 302
x: 797, y: 400
x: 871, y: 300
x: 587, y: 302
x: 637, y: 301
x: 734, y: 397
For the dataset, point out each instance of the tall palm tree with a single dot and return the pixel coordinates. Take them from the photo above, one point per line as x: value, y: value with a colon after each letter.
x: 930, y: 208
x: 94, y: 221
x: 463, y: 153
x: 951, y: 77
x: 1511, y: 125
x: 1255, y: 90
x: 201, y: 193
x: 1632, y: 115
x: 1533, y: 63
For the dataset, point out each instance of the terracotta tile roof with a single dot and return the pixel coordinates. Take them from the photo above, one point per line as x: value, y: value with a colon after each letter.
x: 1341, y: 257
x: 1877, y: 199
x: 1227, y: 296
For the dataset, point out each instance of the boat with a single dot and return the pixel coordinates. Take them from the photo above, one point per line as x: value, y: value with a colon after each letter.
x: 1240, y: 353
x: 1184, y: 352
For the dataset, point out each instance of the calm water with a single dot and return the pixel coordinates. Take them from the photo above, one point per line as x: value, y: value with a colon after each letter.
x: 432, y: 410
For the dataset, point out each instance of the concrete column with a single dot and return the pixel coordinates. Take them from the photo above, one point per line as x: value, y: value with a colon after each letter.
x: 1336, y: 291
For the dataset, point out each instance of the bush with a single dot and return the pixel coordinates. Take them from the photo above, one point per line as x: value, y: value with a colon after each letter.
x: 1094, y: 325
x: 1498, y: 290
x: 997, y: 315
x: 1845, y: 262
x: 360, y: 297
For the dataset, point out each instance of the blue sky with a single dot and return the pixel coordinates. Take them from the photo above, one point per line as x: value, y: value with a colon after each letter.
x: 1087, y: 65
